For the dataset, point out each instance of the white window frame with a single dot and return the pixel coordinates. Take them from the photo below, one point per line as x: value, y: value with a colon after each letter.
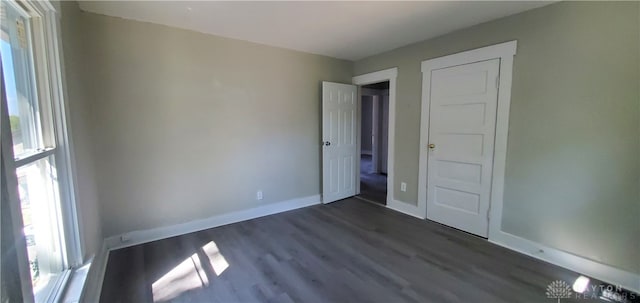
x: 47, y: 54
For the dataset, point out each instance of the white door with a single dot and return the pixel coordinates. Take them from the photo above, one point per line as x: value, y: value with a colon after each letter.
x: 339, y: 153
x: 462, y: 120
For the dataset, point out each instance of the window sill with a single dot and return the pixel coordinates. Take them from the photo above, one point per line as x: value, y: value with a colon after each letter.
x: 75, y: 284
x: 51, y: 286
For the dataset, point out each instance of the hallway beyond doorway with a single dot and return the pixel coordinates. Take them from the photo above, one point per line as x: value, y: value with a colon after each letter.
x: 373, y: 186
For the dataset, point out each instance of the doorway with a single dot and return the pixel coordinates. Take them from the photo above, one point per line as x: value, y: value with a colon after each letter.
x: 374, y: 134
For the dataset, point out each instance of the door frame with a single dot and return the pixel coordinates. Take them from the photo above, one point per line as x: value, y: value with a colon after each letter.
x: 505, y: 52
x: 375, y: 77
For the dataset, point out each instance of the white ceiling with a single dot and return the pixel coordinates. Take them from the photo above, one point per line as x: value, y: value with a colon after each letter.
x: 345, y: 30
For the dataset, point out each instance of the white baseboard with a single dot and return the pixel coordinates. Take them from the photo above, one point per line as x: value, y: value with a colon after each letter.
x: 606, y: 273
x: 405, y: 208
x: 93, y: 283
x: 149, y: 235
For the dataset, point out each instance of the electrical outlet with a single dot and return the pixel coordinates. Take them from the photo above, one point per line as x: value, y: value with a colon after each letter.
x: 259, y: 195
x: 403, y: 186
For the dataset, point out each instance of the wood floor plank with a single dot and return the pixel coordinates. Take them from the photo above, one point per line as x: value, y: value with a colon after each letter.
x: 348, y: 251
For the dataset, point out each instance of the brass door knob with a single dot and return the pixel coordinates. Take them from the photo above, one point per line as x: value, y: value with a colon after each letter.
x: 432, y: 146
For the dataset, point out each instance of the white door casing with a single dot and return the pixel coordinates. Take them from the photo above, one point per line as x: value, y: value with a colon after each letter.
x: 375, y: 77
x: 463, y: 103
x: 339, y: 135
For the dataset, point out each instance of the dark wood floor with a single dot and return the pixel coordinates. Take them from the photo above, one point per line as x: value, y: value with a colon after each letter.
x: 373, y: 186
x: 347, y: 251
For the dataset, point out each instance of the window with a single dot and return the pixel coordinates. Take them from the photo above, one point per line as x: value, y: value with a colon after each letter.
x: 34, y: 156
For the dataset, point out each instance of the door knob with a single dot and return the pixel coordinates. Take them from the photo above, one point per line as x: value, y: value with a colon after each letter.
x: 327, y: 143
x: 432, y: 146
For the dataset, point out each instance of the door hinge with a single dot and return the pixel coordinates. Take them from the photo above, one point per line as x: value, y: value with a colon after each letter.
x: 497, y: 81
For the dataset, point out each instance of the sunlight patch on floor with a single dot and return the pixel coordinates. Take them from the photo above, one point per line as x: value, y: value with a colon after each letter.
x: 218, y: 262
x: 190, y: 274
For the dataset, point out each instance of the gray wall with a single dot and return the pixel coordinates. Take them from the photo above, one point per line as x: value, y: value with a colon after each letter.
x: 384, y: 130
x: 366, y: 125
x: 183, y: 125
x: 80, y: 125
x: 189, y: 125
x: 573, y: 165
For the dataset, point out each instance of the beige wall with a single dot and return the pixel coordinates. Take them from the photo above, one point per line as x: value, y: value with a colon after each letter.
x: 573, y: 164
x: 80, y: 124
x: 189, y: 125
